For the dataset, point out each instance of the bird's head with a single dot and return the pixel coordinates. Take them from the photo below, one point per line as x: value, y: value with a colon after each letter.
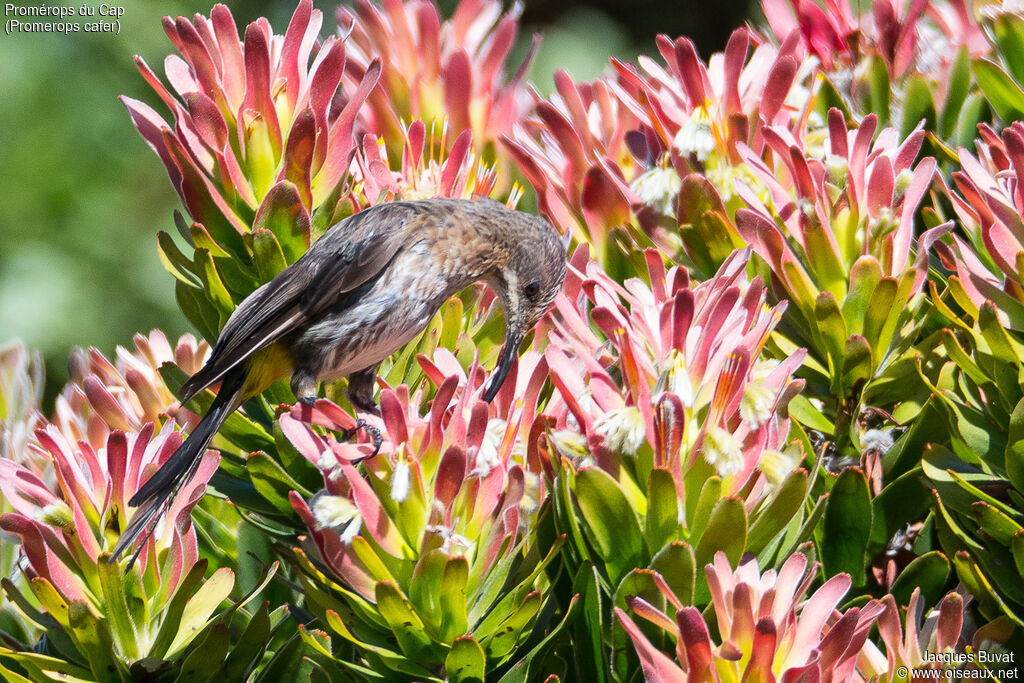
x: 526, y: 281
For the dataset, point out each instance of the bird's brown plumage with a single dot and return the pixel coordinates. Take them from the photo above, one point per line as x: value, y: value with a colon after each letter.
x: 364, y: 289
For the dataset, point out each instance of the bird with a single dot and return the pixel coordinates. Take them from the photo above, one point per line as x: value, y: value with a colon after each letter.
x: 367, y: 287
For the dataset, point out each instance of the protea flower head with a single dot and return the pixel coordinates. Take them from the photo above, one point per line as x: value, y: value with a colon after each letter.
x: 940, y: 631
x: 768, y: 630
x: 439, y: 521
x: 103, y: 396
x: 618, y: 151
x: 66, y: 529
x: 694, y: 386
x: 430, y: 165
x: 989, y: 264
x: 921, y: 37
x: 442, y: 72
x: 838, y: 235
x: 260, y: 150
x: 21, y: 391
x: 252, y: 114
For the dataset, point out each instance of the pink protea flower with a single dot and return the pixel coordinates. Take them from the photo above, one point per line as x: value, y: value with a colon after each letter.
x: 252, y: 115
x: 440, y: 519
x: 103, y: 396
x: 429, y: 166
x: 21, y: 391
x: 573, y: 151
x: 434, y: 70
x: 456, y: 473
x: 838, y: 235
x: 617, y: 151
x: 67, y: 527
x: 859, y: 200
x: 940, y: 632
x: 768, y: 630
x: 988, y: 264
x: 693, y: 383
x: 921, y: 37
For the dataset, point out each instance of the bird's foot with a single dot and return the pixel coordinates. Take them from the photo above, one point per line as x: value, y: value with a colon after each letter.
x: 375, y: 437
x: 309, y: 400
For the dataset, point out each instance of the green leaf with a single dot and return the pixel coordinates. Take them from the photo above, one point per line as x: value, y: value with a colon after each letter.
x: 847, y: 526
x: 405, y: 623
x: 828, y: 270
x: 451, y: 322
x: 662, y: 523
x: 927, y: 572
x: 453, y: 598
x: 40, y: 667
x: 175, y: 262
x: 510, y: 632
x: 880, y: 306
x: 902, y: 501
x: 394, y: 661
x: 959, y: 84
x: 175, y: 608
x: 466, y: 662
x: 207, y: 658
x: 610, y: 522
x: 267, y: 254
x: 112, y: 582
x: 588, y: 634
x: 995, y: 523
x: 200, y: 607
x: 94, y: 641
x: 201, y: 239
x: 707, y: 236
x: 214, y: 287
x: 710, y: 494
x: 865, y: 275
x: 833, y: 330
x: 1009, y: 34
x: 931, y: 425
x: 1005, y: 96
x: 678, y: 566
x: 726, y: 531
x: 975, y: 110
x: 425, y: 587
x: 522, y: 671
x: 918, y: 105
x: 782, y: 511
x: 247, y: 652
x: 804, y: 412
x: 879, y: 89
x: 858, y: 364
x: 1014, y: 459
x: 283, y: 214
x: 273, y: 482
x: 198, y: 309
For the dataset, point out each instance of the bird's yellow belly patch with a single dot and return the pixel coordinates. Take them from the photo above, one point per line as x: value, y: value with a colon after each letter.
x: 265, y: 367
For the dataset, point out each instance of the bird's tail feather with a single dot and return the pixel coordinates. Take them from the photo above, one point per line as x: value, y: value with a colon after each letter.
x: 157, y: 494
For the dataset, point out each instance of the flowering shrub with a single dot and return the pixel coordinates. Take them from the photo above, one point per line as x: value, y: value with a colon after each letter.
x: 763, y: 635
x: 771, y: 428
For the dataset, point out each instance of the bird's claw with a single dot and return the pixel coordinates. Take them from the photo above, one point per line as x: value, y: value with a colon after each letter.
x: 308, y: 400
x: 375, y: 437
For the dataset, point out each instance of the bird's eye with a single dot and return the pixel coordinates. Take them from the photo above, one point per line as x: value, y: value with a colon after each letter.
x: 531, y: 290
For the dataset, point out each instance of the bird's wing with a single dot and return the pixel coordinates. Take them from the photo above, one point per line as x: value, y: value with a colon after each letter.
x: 350, y: 254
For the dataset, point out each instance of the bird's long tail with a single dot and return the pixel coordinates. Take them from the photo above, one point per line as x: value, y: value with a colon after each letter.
x: 157, y: 494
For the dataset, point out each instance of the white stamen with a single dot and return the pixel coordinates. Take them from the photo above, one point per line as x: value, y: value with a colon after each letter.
x: 723, y: 451
x: 623, y: 429
x: 400, y: 482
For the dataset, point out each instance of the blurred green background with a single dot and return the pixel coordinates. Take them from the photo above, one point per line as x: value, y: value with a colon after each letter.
x: 83, y: 197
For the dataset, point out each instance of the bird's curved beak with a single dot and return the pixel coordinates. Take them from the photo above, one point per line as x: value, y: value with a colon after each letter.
x: 509, y: 353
